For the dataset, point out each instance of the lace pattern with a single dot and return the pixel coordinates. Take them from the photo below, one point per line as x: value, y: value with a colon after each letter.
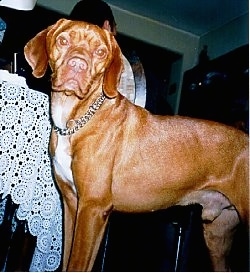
x: 25, y: 167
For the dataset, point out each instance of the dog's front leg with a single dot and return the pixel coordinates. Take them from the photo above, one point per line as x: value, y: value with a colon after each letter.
x: 92, y: 218
x: 69, y: 214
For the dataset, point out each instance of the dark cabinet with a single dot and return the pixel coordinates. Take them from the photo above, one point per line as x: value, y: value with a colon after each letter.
x: 218, y: 90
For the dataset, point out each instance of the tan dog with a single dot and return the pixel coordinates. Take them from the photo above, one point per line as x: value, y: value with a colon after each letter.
x: 109, y: 154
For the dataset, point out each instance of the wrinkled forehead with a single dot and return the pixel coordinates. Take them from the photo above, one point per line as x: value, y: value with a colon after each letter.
x: 81, y: 32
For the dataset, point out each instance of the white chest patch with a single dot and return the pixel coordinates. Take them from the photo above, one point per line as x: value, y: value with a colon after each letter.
x: 61, y: 107
x: 62, y: 161
x: 59, y: 114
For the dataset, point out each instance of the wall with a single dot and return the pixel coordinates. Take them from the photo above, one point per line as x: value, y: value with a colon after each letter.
x: 62, y: 6
x: 227, y: 38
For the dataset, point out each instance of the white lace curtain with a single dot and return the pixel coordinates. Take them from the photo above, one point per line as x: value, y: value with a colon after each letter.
x: 25, y: 170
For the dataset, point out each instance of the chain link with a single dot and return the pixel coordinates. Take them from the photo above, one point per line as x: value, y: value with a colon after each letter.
x: 79, y: 123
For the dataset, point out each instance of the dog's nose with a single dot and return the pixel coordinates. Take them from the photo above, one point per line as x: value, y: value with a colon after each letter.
x: 77, y: 64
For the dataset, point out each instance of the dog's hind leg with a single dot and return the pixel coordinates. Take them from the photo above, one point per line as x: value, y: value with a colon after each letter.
x: 220, y: 220
x: 219, y: 235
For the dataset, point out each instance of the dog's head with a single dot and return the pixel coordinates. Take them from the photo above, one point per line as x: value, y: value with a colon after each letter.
x: 81, y: 55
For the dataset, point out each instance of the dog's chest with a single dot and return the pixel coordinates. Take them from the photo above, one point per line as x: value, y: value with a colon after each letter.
x: 62, y: 160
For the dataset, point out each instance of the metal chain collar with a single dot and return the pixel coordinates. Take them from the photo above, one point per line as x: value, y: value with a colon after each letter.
x: 79, y: 123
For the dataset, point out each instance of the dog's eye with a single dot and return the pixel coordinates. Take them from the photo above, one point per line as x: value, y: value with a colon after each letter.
x: 62, y: 41
x: 101, y: 52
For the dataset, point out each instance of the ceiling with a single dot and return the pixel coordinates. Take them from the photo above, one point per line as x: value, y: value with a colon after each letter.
x: 194, y: 16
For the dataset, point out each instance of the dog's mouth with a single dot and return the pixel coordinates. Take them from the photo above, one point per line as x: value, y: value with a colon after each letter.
x: 78, y: 85
x: 71, y: 84
x: 66, y: 79
x: 64, y: 83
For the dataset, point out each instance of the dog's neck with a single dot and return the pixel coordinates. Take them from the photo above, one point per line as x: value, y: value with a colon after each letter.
x: 74, y: 125
x: 69, y: 113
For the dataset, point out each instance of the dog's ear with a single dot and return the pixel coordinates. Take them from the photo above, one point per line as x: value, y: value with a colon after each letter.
x: 35, y: 51
x: 113, y: 72
x: 36, y: 54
